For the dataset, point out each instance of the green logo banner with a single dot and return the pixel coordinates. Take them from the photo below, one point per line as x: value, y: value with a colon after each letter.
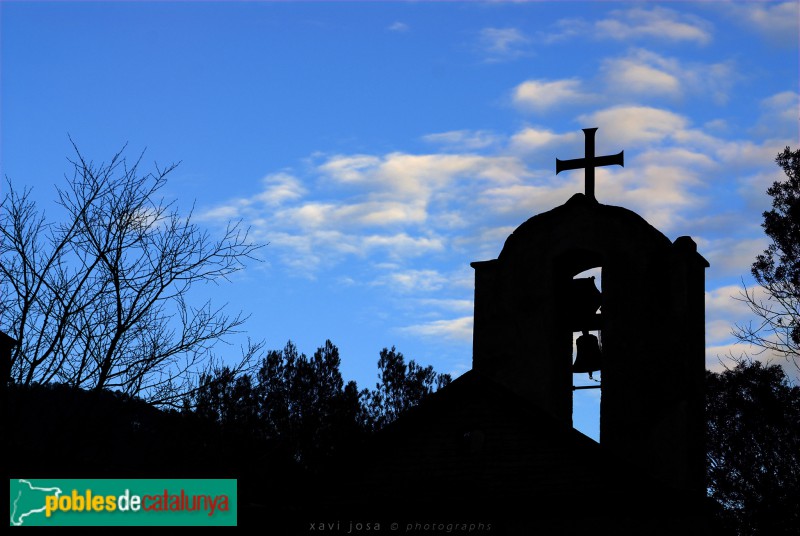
x: 122, y: 502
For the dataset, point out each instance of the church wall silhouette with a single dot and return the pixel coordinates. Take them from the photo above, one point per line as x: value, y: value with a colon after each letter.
x: 651, y: 323
x: 497, y: 445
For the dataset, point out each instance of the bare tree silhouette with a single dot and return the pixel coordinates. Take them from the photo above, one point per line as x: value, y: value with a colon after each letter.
x: 100, y: 300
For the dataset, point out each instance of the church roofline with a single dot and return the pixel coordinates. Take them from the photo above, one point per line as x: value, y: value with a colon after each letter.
x: 580, y: 203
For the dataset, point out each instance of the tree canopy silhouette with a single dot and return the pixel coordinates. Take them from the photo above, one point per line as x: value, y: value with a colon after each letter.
x: 303, y: 407
x: 777, y: 270
x: 753, y: 448
x: 101, y: 299
x: 401, y: 386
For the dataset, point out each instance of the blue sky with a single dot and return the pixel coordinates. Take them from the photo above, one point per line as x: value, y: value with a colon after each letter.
x: 380, y: 148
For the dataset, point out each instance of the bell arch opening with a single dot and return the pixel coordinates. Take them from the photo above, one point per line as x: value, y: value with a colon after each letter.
x: 579, y: 334
x: 586, y: 357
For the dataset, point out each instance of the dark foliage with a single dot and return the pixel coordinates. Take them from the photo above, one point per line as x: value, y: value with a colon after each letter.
x: 400, y: 387
x: 753, y: 448
x: 302, y: 407
x: 780, y: 262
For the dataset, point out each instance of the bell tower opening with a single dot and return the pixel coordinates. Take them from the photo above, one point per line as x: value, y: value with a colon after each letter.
x: 587, y: 346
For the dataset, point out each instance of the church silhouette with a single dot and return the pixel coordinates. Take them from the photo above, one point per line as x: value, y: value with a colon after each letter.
x: 496, y: 452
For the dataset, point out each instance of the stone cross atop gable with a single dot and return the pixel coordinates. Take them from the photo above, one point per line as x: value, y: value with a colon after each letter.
x: 590, y: 161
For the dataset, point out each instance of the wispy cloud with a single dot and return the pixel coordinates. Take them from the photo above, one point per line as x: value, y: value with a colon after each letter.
x: 412, y: 176
x: 401, y: 205
x: 450, y: 305
x: 409, y: 205
x: 463, y: 140
x: 564, y: 30
x: 413, y: 281
x: 654, y: 23
x: 634, y: 126
x: 645, y: 74
x: 734, y: 256
x: 780, y: 114
x: 725, y: 303
x: 635, y: 24
x: 642, y: 75
x: 531, y: 139
x: 776, y: 22
x: 503, y: 44
x: 406, y: 207
x: 543, y: 95
x: 458, y: 329
x: 399, y: 27
x: 280, y: 188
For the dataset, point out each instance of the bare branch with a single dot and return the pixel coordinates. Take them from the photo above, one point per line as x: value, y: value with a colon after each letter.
x: 100, y: 300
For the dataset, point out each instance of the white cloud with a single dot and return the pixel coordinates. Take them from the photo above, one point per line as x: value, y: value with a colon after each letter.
x: 222, y: 212
x: 644, y: 73
x: 639, y: 78
x: 502, y: 44
x: 519, y: 200
x: 724, y: 303
x: 638, y: 23
x: 718, y: 331
x: 401, y: 205
x: 542, y: 95
x: 661, y: 184
x: 460, y: 306
x: 634, y: 126
x: 458, y: 329
x: 413, y: 281
x: 483, y: 243
x: 402, y: 245
x: 654, y: 23
x: 637, y: 75
x: 414, y: 177
x: 676, y: 156
x: 533, y: 139
x: 777, y: 22
x: 746, y: 154
x: 753, y: 189
x: 398, y: 26
x: 660, y: 193
x: 279, y: 188
x: 349, y: 168
x: 779, y: 115
x: 563, y: 30
x: 463, y: 139
x: 365, y: 214
x: 724, y: 356
x: 734, y: 256
x: 783, y: 104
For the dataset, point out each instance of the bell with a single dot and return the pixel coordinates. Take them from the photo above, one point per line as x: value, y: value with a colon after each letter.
x: 588, y: 356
